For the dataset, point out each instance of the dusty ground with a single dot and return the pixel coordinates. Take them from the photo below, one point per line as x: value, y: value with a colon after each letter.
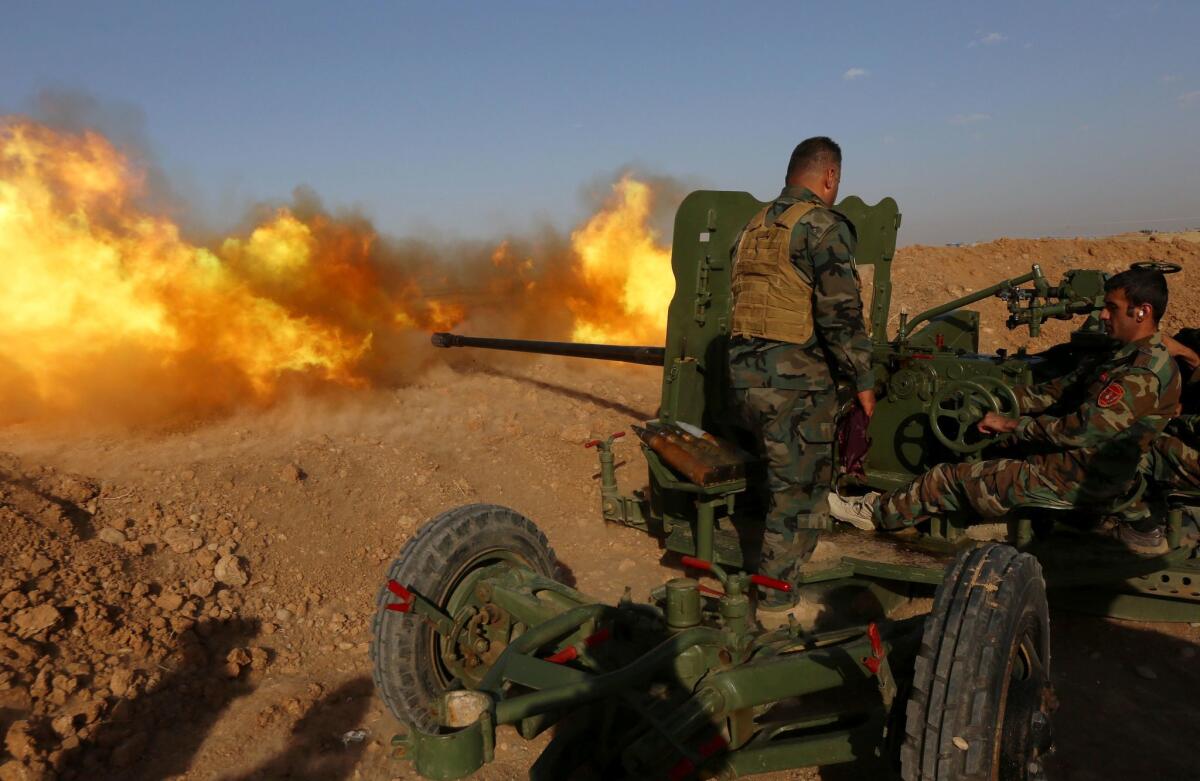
x: 196, y: 604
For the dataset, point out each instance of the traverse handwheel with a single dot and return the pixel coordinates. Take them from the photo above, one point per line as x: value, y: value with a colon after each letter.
x: 1162, y: 266
x: 955, y: 409
x: 1003, y: 393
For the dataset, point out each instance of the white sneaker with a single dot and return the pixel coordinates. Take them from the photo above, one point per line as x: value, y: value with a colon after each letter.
x: 858, y: 511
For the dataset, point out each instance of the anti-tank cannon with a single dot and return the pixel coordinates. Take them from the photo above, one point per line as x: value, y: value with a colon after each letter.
x: 473, y: 631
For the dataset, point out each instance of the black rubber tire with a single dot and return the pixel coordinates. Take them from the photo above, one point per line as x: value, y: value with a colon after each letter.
x: 408, y: 673
x: 989, y: 627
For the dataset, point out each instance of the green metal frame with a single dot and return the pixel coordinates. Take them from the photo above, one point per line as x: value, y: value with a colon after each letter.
x: 711, y: 662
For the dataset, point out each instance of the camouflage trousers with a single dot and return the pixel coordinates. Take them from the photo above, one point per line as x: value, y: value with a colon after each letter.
x: 990, y: 489
x: 1173, y: 464
x: 796, y: 430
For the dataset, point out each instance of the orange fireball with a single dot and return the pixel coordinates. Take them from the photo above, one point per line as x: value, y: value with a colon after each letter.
x: 625, y: 270
x: 107, y: 312
x: 92, y: 282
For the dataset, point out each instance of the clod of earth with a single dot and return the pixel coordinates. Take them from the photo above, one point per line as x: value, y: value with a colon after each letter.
x: 229, y: 570
x: 34, y: 620
x: 112, y: 536
x: 181, y: 540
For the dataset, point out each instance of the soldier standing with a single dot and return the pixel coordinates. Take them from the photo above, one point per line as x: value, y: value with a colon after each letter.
x: 1127, y: 400
x: 797, y: 332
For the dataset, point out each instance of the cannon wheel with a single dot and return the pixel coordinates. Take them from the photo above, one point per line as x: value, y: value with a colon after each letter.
x: 981, y: 696
x: 438, y: 562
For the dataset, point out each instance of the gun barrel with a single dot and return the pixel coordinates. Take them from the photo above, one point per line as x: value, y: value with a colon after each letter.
x: 648, y: 356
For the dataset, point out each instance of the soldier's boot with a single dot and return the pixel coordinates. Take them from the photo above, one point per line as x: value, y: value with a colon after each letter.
x: 1144, y: 538
x: 782, y: 558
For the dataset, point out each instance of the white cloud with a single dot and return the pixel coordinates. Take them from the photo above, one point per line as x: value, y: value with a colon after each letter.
x: 1190, y: 98
x: 855, y: 73
x: 988, y: 39
x: 970, y: 119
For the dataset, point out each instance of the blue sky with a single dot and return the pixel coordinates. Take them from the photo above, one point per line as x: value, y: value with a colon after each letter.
x: 469, y: 119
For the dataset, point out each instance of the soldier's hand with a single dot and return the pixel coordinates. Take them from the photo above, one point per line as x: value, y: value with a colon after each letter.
x: 995, y: 423
x: 866, y: 399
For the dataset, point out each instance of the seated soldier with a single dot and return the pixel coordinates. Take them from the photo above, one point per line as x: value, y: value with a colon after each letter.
x: 1127, y: 399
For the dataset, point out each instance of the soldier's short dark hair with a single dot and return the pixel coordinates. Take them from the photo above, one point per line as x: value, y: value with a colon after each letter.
x: 814, y: 153
x: 1143, y: 287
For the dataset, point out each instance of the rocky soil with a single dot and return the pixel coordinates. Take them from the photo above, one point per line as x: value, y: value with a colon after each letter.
x: 195, y: 604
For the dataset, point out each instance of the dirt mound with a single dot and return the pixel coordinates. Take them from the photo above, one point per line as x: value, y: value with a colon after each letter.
x: 114, y: 609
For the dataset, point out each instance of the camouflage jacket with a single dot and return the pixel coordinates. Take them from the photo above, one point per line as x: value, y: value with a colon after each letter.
x: 1117, y: 407
x: 823, y: 245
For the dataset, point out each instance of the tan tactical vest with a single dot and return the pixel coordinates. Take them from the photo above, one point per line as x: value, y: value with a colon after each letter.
x: 771, y: 299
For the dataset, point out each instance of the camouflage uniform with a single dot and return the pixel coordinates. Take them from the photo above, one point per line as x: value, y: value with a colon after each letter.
x: 1173, y: 461
x: 786, y: 393
x: 1126, y: 402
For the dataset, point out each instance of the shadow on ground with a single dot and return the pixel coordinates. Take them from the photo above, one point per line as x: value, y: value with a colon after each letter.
x: 1129, y: 700
x: 568, y: 392
x: 316, y: 748
x: 156, y: 734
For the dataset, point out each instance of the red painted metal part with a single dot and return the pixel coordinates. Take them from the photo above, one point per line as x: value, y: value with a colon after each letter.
x: 570, y: 653
x: 758, y: 580
x: 567, y: 654
x: 875, y: 660
x: 685, y: 767
x: 406, y: 603
x: 595, y: 442
x: 765, y: 582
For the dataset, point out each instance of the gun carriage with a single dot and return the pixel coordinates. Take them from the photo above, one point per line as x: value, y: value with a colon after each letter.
x: 473, y: 631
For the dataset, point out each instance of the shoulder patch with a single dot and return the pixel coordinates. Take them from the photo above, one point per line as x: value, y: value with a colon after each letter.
x: 1111, y: 395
